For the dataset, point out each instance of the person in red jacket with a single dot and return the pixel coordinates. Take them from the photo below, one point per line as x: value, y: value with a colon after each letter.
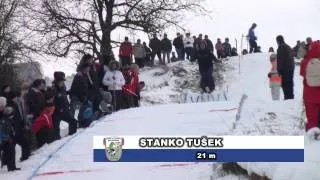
x: 311, y: 95
x: 131, y: 86
x: 43, y: 124
x: 125, y: 52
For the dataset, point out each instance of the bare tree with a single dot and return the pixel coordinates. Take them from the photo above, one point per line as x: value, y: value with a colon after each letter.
x: 87, y: 25
x: 12, y: 48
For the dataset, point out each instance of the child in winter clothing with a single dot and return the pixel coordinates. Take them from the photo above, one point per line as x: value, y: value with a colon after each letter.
x: 275, y: 79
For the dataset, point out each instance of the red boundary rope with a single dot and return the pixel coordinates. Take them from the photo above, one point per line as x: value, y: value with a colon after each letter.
x: 99, y: 170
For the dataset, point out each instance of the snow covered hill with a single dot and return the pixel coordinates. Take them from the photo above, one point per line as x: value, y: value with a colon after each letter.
x: 161, y: 114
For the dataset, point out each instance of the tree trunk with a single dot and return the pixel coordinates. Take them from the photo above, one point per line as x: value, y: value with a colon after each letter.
x: 106, y: 48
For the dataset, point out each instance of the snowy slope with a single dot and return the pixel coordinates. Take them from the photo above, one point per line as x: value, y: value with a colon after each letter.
x: 164, y: 86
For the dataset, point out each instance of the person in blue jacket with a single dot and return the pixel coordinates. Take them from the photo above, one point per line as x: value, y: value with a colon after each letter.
x: 253, y: 39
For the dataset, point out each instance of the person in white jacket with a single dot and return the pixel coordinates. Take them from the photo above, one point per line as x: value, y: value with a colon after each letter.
x: 114, y: 80
x: 188, y: 45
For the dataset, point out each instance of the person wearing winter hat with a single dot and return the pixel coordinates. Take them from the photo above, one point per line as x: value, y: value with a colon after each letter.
x: 62, y: 107
x: 7, y: 141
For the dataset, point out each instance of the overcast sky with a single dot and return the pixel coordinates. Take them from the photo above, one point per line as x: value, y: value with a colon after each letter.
x: 294, y: 19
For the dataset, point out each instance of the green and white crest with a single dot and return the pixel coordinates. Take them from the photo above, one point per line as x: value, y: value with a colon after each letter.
x: 113, y: 148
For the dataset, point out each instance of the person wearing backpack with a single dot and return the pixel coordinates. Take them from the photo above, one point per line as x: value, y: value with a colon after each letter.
x: 310, y: 71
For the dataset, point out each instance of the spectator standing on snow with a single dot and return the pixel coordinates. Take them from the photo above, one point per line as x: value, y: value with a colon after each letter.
x: 131, y: 87
x: 310, y: 71
x: 309, y: 41
x: 139, y: 53
x: 205, y: 57
x: 188, y: 45
x: 219, y: 48
x: 226, y: 48
x: 285, y: 67
x: 253, y: 39
x: 302, y: 51
x: 296, y: 49
x: 155, y: 45
x: 62, y: 107
x: 42, y: 126
x: 93, y: 80
x: 114, y: 80
x: 125, y: 52
x: 148, y: 54
x: 79, y: 91
x: 102, y: 70
x: 209, y: 43
x: 35, y: 98
x: 19, y: 125
x: 7, y: 142
x: 178, y: 44
x: 166, y: 48
x: 275, y: 79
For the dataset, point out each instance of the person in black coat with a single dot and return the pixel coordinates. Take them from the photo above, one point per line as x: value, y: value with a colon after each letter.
x: 62, y: 108
x: 7, y: 141
x: 205, y: 58
x: 155, y: 45
x: 178, y: 44
x: 148, y: 53
x: 285, y: 67
x: 209, y: 43
x: 166, y: 48
x: 19, y: 125
x: 79, y: 91
x: 35, y: 98
x: 93, y: 81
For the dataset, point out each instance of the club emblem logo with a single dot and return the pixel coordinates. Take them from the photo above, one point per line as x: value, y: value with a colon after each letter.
x: 113, y: 148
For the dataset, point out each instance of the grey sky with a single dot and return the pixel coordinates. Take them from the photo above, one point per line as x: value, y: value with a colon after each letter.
x: 294, y: 19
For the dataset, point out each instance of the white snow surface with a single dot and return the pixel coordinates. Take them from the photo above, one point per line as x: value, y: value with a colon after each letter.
x: 260, y: 116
